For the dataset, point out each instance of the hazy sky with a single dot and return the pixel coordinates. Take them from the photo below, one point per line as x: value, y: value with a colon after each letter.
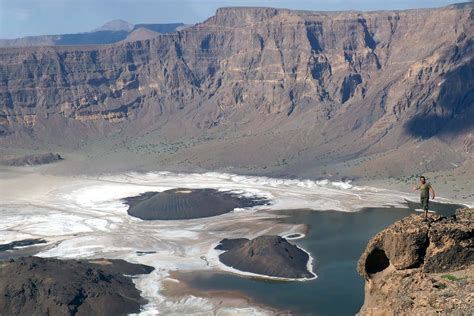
x: 36, y: 17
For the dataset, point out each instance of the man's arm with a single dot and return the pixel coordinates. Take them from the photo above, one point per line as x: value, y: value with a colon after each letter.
x: 432, y: 192
x: 416, y: 187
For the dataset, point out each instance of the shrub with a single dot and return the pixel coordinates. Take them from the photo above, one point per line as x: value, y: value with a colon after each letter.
x: 451, y: 277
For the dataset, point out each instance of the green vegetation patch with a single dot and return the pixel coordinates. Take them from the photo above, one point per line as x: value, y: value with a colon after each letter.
x: 451, y: 277
x: 441, y: 286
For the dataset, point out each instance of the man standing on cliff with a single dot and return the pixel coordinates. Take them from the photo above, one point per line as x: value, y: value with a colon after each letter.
x: 425, y: 189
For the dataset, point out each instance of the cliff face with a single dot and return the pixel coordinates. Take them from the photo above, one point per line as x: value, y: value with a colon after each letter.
x: 358, y: 77
x: 416, y: 267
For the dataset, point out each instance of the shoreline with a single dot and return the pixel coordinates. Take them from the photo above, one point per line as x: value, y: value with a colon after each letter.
x: 144, y: 186
x: 176, y: 287
x: 75, y: 164
x: 446, y: 194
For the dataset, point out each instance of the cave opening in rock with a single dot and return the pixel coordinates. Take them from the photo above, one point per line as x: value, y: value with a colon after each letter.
x: 376, y: 261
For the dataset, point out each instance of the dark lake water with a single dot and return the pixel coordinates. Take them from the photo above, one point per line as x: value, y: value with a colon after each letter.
x: 335, y: 240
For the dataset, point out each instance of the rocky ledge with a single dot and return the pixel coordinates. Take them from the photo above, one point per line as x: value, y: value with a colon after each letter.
x: 266, y: 255
x: 417, y: 267
x: 46, y: 286
x: 31, y: 160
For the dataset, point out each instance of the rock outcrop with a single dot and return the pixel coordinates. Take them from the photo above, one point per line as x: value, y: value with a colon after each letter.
x: 417, y: 267
x: 32, y: 160
x: 21, y: 243
x: 40, y: 286
x: 267, y: 256
x: 184, y: 203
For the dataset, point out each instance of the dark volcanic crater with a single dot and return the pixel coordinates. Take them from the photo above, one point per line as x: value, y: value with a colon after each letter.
x: 47, y: 286
x: 181, y: 203
x: 266, y: 255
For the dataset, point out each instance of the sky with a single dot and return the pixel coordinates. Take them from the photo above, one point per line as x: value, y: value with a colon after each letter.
x: 20, y: 18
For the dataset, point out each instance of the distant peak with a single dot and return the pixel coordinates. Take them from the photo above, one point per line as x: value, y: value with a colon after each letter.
x: 140, y: 34
x: 115, y: 25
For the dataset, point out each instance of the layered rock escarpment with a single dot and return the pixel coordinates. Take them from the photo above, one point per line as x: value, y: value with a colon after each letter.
x: 354, y: 77
x: 46, y: 286
x: 266, y: 255
x: 415, y: 267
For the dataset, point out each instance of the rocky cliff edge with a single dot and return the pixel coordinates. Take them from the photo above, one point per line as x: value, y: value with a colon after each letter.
x: 421, y: 267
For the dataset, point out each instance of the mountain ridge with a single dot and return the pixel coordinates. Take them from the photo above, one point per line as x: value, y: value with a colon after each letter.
x: 111, y: 32
x: 326, y: 87
x: 115, y: 25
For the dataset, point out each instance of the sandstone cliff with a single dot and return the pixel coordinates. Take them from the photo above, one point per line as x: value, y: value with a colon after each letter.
x: 415, y: 267
x: 324, y: 86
